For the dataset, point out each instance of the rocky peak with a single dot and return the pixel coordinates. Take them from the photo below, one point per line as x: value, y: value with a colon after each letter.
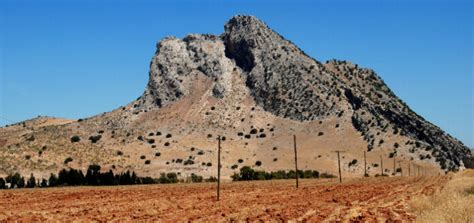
x: 177, y: 62
x: 286, y: 82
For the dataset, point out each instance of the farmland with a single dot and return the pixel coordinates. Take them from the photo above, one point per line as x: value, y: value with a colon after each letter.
x: 367, y: 199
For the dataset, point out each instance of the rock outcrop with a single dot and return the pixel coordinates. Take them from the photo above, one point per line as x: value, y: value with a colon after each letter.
x: 288, y: 83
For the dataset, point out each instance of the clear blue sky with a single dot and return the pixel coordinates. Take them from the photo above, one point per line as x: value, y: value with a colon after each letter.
x: 75, y: 59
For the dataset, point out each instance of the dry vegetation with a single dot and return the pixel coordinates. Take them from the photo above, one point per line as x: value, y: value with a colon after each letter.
x: 454, y: 203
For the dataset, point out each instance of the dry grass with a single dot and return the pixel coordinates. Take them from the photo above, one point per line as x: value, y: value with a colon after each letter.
x: 454, y: 203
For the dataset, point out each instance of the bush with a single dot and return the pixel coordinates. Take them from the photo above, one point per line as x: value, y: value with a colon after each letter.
x: 147, y: 162
x: 196, y: 178
x: 67, y: 160
x: 95, y: 138
x: 258, y: 163
x: 75, y: 139
x: 353, y: 162
x: 326, y: 175
x: 320, y: 133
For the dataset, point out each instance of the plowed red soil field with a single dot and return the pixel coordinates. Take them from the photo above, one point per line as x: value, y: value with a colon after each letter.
x: 369, y: 199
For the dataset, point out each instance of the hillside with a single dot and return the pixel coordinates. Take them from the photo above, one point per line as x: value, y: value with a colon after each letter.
x: 255, y: 89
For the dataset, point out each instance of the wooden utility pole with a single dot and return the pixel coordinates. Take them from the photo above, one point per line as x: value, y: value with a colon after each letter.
x: 400, y: 166
x: 381, y: 165
x: 218, y: 167
x: 394, y: 170
x: 339, y: 163
x: 409, y: 169
x: 296, y: 160
x: 365, y: 164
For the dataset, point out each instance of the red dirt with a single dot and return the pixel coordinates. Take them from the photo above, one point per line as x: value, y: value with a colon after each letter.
x: 367, y: 200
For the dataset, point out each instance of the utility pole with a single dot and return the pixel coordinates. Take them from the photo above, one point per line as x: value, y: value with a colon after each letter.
x: 296, y: 160
x: 339, y: 163
x: 394, y: 171
x: 365, y: 164
x: 218, y: 167
x: 381, y: 166
x: 409, y: 169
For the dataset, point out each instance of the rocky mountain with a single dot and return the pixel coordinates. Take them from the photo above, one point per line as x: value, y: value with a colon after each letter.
x: 255, y: 89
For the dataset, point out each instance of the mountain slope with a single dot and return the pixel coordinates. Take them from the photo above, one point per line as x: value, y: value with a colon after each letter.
x: 256, y: 89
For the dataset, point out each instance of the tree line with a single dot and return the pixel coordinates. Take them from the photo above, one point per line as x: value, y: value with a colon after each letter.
x: 247, y: 173
x: 93, y: 177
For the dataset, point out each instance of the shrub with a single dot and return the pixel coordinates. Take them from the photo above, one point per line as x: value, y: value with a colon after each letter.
x: 158, y: 154
x: 320, y: 133
x: 67, y: 160
x: 142, y: 157
x: 258, y: 163
x: 188, y: 162
x: 151, y: 141
x: 168, y: 135
x: 240, y: 160
x: 75, y: 139
x: 235, y: 166
x: 95, y: 138
x: 246, y: 173
x: 200, y: 152
x: 13, y: 179
x: 196, y: 178
x: 147, y: 162
x: 353, y: 162
x: 327, y: 175
x: 119, y: 153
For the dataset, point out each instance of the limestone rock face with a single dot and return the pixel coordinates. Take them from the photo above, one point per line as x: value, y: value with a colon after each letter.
x: 175, y: 64
x: 283, y: 79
